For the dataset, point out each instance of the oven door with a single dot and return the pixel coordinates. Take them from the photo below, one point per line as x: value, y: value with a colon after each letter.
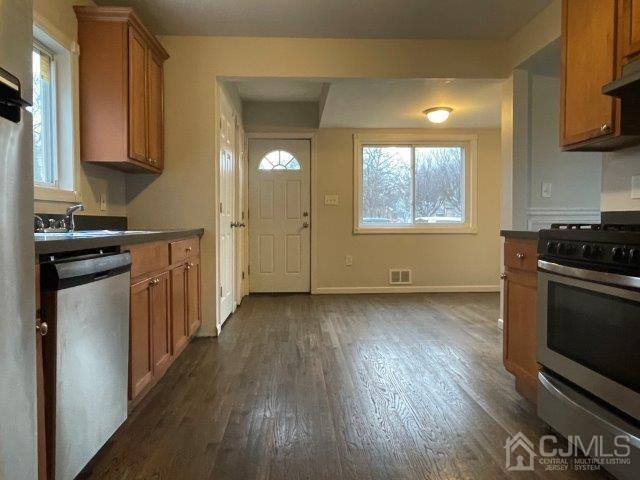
x: 589, y: 331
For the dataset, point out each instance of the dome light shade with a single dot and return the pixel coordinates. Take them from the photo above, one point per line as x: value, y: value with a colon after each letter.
x: 438, y: 114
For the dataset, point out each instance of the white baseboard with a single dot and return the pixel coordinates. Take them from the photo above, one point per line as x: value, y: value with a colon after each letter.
x: 407, y: 289
x: 500, y: 323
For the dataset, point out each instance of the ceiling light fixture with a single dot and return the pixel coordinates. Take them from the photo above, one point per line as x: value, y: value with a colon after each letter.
x: 438, y: 114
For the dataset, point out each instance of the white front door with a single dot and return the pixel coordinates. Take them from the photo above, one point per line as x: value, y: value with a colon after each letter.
x: 227, y: 208
x: 280, y: 215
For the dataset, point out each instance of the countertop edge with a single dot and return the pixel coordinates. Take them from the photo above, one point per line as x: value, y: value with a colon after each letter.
x: 520, y: 234
x: 43, y: 247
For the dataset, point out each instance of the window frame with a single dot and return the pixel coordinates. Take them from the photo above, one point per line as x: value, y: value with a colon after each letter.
x: 65, y: 110
x: 468, y: 141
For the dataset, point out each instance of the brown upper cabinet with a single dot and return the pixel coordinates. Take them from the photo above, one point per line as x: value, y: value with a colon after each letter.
x: 629, y: 18
x: 591, y: 38
x: 121, y: 90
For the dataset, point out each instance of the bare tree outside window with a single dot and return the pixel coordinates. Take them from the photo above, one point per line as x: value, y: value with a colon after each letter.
x: 413, y: 185
x: 439, y: 185
x: 386, y: 185
x: 44, y: 166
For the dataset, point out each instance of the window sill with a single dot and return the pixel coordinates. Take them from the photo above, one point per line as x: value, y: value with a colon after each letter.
x: 45, y: 194
x: 445, y: 229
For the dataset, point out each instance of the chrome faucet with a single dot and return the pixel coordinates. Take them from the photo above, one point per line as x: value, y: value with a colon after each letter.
x: 68, y: 218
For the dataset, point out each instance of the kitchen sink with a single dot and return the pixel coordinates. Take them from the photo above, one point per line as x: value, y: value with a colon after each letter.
x: 89, y: 233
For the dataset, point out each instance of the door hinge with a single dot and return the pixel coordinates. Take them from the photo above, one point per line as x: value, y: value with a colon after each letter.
x: 242, y: 216
x: 220, y: 291
x: 243, y: 275
x: 220, y: 207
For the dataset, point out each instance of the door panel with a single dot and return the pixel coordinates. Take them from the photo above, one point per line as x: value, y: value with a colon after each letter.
x: 589, y: 34
x: 137, y: 96
x: 194, y: 315
x: 279, y: 216
x: 227, y: 208
x: 160, y: 311
x: 154, y: 117
x: 141, y: 364
x: 179, y: 326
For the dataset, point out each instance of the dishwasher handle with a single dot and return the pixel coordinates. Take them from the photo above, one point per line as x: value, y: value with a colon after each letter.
x: 74, y: 272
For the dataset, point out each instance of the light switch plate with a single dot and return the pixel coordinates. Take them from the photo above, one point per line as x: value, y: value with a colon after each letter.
x: 103, y: 202
x: 546, y: 190
x: 635, y: 186
x: 348, y: 260
x: 332, y: 200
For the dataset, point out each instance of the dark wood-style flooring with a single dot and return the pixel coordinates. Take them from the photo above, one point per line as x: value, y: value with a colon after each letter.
x: 334, y: 387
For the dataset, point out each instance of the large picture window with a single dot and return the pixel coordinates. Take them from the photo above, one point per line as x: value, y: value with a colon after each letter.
x: 415, y: 185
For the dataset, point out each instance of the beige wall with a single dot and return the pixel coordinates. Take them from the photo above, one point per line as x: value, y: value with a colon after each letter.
x: 617, y: 170
x: 437, y: 260
x: 93, y: 180
x: 280, y: 116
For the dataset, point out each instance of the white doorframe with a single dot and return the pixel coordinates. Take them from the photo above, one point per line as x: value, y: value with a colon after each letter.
x: 312, y: 139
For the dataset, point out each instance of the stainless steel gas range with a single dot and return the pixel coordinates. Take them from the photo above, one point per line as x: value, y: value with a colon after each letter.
x: 589, y: 336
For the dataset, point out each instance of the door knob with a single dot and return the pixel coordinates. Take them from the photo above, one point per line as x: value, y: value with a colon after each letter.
x: 305, y: 225
x: 42, y: 328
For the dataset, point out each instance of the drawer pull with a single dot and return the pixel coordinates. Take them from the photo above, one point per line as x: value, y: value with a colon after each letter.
x: 520, y: 255
x: 503, y: 276
x: 42, y: 328
x: 188, y: 249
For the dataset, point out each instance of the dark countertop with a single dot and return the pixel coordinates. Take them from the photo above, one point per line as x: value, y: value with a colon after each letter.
x: 83, y: 240
x: 519, y: 234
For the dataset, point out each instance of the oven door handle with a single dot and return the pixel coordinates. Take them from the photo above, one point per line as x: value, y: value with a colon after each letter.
x: 566, y: 397
x: 616, y: 279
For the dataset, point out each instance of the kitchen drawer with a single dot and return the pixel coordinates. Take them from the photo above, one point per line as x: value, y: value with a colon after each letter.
x: 521, y: 254
x: 148, y: 257
x: 184, y: 249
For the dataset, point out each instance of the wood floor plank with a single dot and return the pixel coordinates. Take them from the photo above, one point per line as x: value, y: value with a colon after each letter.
x: 334, y: 387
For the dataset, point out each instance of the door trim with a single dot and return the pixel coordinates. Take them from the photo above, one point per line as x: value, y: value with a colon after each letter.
x: 311, y: 136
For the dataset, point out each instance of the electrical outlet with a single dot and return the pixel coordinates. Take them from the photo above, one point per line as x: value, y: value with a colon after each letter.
x: 635, y: 186
x: 331, y: 200
x: 103, y: 201
x: 348, y: 260
x: 546, y: 190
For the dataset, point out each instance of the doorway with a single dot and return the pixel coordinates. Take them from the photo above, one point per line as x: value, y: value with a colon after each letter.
x: 280, y: 215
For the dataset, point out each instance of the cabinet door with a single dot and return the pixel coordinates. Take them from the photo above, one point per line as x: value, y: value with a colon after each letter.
x: 588, y: 63
x: 154, y: 110
x: 179, y: 324
x: 629, y: 28
x: 161, y: 323
x: 137, y: 96
x: 193, y: 292
x: 140, y: 353
x: 520, y: 330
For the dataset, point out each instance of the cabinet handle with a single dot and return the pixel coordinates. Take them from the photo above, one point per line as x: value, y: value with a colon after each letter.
x: 188, y: 249
x: 519, y: 255
x: 605, y: 128
x: 503, y: 276
x: 42, y: 328
x: 187, y: 267
x: 155, y: 281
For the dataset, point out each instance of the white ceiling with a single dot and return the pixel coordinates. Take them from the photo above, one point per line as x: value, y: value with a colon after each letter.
x: 468, y: 19
x: 278, y: 89
x: 365, y: 103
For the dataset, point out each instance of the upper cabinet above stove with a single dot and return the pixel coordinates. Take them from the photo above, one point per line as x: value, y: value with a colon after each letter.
x: 121, y: 90
x: 593, y: 42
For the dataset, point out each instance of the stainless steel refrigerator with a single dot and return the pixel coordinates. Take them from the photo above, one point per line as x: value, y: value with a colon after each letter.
x: 18, y: 452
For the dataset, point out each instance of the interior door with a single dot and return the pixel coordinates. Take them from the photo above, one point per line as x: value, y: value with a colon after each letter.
x: 227, y: 208
x: 280, y: 215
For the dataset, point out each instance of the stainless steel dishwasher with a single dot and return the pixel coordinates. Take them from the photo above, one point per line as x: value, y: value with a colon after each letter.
x: 86, y: 354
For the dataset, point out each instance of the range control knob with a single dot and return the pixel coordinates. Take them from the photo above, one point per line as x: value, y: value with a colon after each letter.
x: 552, y: 248
x: 588, y: 251
x: 619, y: 254
x: 565, y: 248
x: 634, y: 256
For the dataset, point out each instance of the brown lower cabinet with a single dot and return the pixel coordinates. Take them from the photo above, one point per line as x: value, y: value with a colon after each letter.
x: 520, y: 314
x: 165, y: 309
